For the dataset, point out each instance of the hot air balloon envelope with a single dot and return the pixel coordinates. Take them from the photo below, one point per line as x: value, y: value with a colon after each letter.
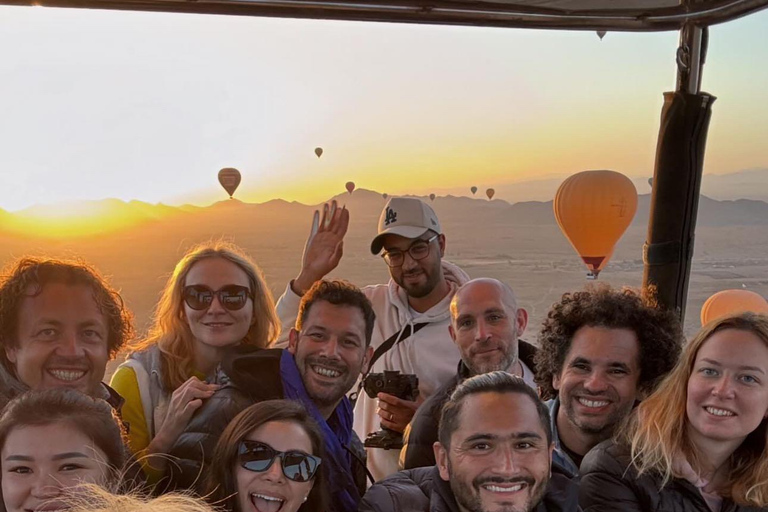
x: 350, y: 186
x: 593, y: 209
x: 729, y: 302
x: 229, y: 179
x: 432, y: 197
x: 473, y: 189
x: 319, y: 152
x: 490, y: 192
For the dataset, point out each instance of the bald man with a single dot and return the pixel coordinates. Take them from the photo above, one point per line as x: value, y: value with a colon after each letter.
x: 486, y: 323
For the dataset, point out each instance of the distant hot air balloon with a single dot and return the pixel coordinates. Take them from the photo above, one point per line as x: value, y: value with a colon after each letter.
x: 431, y: 197
x: 601, y: 34
x: 229, y: 179
x: 384, y: 195
x: 593, y: 209
x: 727, y: 302
x: 350, y: 186
x: 473, y: 189
x: 490, y: 193
x: 319, y: 152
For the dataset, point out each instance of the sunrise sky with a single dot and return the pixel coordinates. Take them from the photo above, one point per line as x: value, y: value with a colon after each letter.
x: 108, y: 104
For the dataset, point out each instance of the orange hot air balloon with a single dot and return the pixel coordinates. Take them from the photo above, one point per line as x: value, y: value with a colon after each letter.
x: 350, y: 186
x: 473, y: 189
x: 229, y: 179
x: 593, y: 209
x: 319, y: 152
x: 431, y: 197
x: 727, y: 302
x: 490, y: 192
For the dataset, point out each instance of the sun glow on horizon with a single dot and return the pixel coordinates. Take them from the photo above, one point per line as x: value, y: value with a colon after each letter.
x: 81, y: 219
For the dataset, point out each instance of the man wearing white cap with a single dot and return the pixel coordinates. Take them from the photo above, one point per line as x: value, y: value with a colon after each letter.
x: 412, y: 310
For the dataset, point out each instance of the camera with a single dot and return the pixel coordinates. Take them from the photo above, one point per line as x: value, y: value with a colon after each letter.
x: 403, y: 386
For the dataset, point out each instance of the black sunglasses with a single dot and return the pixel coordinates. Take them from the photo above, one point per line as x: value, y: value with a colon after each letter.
x: 297, y: 465
x: 231, y: 296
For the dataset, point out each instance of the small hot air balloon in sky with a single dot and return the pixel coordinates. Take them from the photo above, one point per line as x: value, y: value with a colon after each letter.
x: 593, y: 209
x: 229, y: 179
x: 319, y: 152
x: 431, y: 197
x: 350, y: 186
x: 601, y: 34
x: 728, y: 302
x: 490, y: 193
x: 473, y: 189
x: 385, y: 195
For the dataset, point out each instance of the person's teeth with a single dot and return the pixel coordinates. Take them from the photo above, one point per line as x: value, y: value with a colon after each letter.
x: 67, y: 375
x: 593, y: 403
x: 325, y: 372
x: 266, y: 498
x: 719, y: 412
x: 496, y: 488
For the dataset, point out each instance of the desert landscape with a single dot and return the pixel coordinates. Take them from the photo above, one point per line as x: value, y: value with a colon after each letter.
x: 519, y: 243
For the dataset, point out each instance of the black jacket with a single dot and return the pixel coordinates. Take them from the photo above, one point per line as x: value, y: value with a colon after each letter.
x: 247, y: 376
x: 421, y: 434
x: 610, y: 483
x: 422, y: 490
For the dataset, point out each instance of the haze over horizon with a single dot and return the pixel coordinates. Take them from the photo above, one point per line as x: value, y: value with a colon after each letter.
x: 149, y: 106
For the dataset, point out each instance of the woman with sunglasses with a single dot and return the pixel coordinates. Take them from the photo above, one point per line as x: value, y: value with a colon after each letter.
x: 698, y: 443
x: 215, y: 299
x: 268, y: 460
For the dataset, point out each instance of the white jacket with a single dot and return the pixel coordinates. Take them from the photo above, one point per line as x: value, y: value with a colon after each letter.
x: 430, y: 354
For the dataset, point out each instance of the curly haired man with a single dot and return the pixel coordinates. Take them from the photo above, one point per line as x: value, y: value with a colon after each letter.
x: 601, y: 351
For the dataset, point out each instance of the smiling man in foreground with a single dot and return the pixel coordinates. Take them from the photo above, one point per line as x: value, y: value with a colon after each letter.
x: 60, y: 323
x: 493, y: 455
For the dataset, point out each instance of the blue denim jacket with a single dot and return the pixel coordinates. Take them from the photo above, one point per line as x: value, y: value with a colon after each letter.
x: 559, y: 456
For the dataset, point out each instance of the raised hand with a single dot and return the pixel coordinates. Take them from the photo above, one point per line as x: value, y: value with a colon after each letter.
x: 324, y: 246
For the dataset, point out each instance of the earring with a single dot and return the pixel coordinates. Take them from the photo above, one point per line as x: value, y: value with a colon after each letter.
x: 305, y: 498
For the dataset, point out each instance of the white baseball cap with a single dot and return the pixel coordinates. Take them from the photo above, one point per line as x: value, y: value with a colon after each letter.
x: 405, y: 216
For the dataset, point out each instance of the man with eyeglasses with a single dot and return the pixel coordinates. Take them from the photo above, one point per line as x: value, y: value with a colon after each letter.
x: 329, y: 347
x: 412, y: 310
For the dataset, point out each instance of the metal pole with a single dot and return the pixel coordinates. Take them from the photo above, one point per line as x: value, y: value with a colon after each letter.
x: 691, y: 55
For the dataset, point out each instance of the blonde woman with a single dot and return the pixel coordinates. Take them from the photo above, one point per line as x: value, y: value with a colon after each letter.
x: 699, y: 442
x: 91, y: 498
x: 215, y: 299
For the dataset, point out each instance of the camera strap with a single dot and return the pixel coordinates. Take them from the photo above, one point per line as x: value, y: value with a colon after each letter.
x: 383, y: 349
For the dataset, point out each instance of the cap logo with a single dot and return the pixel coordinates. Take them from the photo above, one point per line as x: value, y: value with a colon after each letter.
x: 390, y: 217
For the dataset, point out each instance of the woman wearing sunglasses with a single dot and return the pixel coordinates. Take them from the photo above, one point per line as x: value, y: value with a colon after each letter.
x: 269, y: 459
x: 215, y: 299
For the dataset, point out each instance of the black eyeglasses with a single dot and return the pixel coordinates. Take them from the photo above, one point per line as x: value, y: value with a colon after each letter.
x: 297, y: 465
x: 418, y: 251
x: 231, y: 296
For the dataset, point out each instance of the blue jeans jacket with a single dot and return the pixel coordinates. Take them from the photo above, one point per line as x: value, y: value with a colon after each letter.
x: 559, y: 456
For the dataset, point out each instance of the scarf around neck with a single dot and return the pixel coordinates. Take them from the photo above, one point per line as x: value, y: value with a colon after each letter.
x: 337, y: 433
